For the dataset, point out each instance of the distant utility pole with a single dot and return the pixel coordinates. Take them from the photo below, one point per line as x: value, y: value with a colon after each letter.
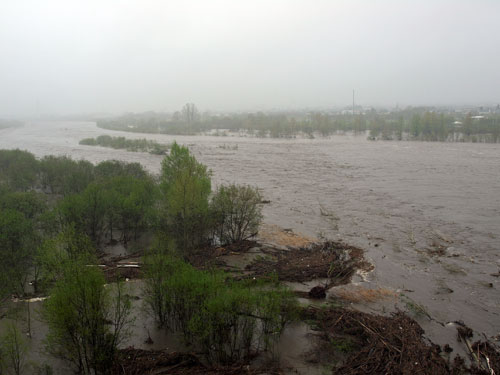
x: 353, y: 102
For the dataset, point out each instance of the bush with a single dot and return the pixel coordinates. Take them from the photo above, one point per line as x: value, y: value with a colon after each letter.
x: 86, y: 321
x: 226, y: 319
x: 237, y: 213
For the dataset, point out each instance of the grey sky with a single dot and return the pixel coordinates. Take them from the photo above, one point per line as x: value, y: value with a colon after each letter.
x: 117, y: 55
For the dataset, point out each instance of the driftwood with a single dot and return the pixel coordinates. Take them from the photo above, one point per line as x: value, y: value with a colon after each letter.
x: 131, y: 361
x: 330, y: 260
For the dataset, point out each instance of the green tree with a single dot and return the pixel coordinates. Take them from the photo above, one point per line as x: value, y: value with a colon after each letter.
x: 468, y: 126
x: 25, y: 215
x: 130, y: 205
x: 86, y: 211
x: 13, y: 350
x: 18, y: 169
x: 114, y: 168
x: 186, y: 187
x: 68, y: 246
x: 237, y: 212
x: 30, y: 204
x: 86, y: 321
x: 159, y: 269
x: 62, y: 175
x: 415, y: 127
x: 16, y: 251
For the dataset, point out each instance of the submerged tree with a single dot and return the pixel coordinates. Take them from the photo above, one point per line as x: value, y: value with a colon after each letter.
x: 86, y: 320
x: 237, y: 212
x: 16, y: 252
x: 13, y: 350
x: 55, y: 253
x: 129, y: 206
x: 18, y: 169
x: 227, y: 319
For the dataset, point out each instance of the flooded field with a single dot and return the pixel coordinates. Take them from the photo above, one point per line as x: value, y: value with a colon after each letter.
x: 427, y: 214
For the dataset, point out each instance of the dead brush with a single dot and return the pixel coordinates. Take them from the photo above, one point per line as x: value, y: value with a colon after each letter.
x: 360, y: 294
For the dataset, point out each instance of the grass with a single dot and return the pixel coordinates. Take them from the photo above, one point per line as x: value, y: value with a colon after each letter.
x: 343, y: 344
x: 414, y: 308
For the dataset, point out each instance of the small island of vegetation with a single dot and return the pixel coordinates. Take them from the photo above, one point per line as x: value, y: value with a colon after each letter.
x: 135, y: 145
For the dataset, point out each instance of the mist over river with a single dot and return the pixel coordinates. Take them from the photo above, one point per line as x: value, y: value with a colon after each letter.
x: 400, y: 201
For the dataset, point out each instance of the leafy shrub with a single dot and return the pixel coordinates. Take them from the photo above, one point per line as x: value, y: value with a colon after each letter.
x: 227, y: 319
x: 237, y: 212
x: 86, y: 321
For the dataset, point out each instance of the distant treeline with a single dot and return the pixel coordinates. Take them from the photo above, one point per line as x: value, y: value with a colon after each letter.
x: 422, y: 124
x: 434, y: 126
x: 142, y: 145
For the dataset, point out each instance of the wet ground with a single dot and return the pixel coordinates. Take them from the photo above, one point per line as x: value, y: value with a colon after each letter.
x: 427, y: 214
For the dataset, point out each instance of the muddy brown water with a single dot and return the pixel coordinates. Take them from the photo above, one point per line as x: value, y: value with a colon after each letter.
x: 397, y: 200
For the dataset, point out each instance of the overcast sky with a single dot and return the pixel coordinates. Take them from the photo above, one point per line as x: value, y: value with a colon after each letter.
x: 112, y: 56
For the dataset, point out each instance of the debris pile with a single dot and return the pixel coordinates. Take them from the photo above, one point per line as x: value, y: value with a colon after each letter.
x: 122, y: 267
x: 484, y: 355
x: 333, y: 260
x: 380, y: 345
x: 487, y: 358
x: 206, y: 257
x: 133, y: 361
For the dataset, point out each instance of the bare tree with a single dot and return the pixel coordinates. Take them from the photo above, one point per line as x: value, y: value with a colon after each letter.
x: 190, y: 113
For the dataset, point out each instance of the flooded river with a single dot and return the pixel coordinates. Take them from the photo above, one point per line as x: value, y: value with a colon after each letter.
x: 428, y: 214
